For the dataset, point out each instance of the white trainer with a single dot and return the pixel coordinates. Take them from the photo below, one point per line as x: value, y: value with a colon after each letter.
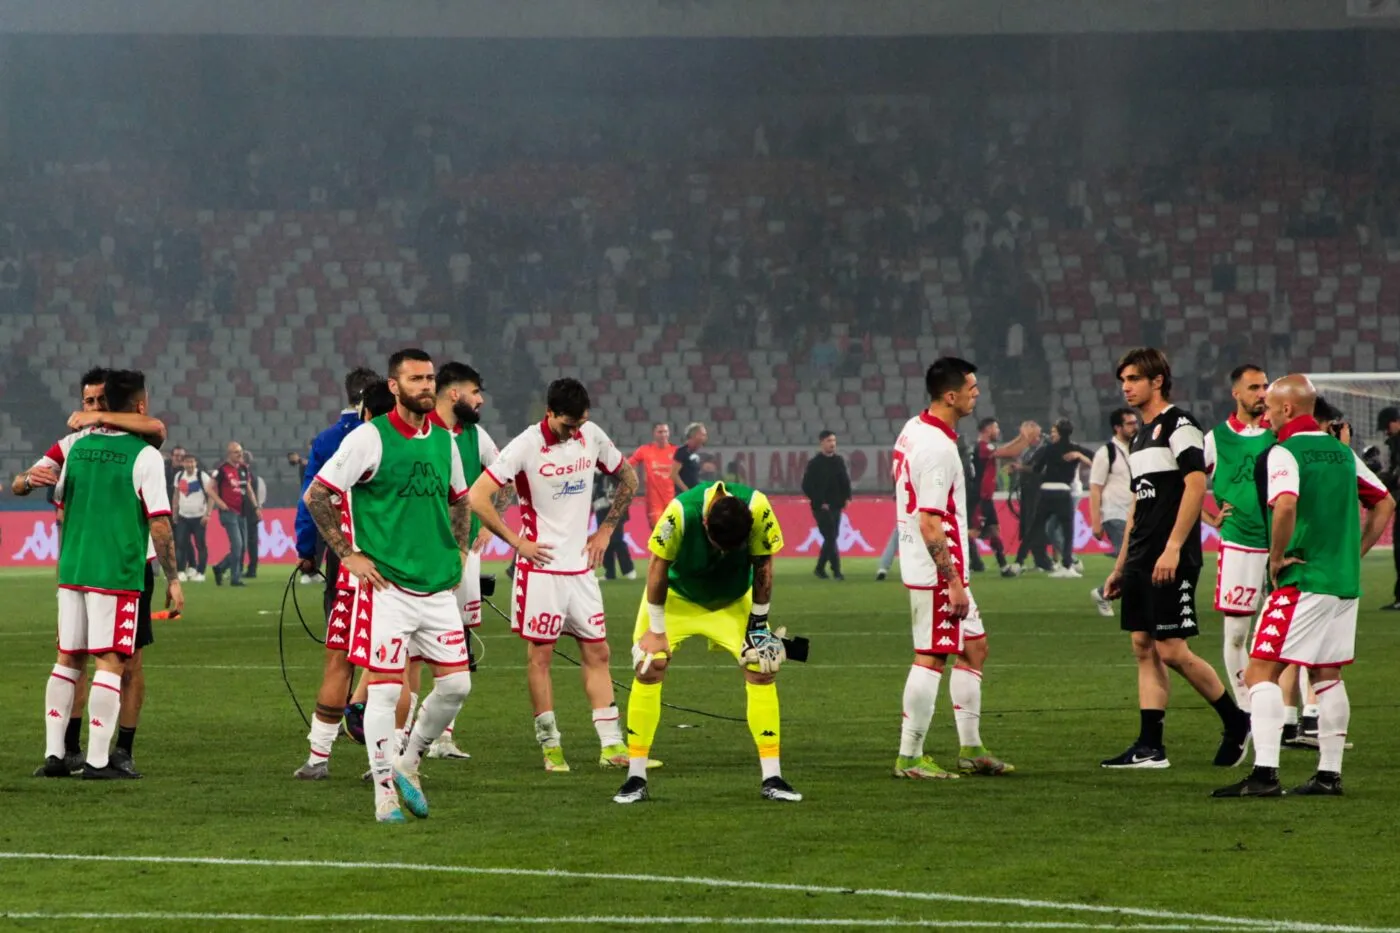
x: 444, y: 747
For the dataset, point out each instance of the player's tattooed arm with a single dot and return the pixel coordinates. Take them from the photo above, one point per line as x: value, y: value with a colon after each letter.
x: 461, y: 514
x: 931, y: 526
x: 501, y: 500
x: 622, y: 499
x: 327, y: 518
x: 163, y: 537
x: 763, y: 579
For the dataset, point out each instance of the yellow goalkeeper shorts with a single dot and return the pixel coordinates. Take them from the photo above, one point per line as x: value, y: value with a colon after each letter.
x: 723, y: 627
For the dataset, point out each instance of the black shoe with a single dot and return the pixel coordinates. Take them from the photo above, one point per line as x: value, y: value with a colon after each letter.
x: 1139, y: 757
x: 633, y: 790
x: 121, y: 761
x: 838, y: 576
x: 1308, y: 728
x: 1321, y: 784
x: 239, y: 583
x: 1234, y: 746
x: 250, y: 575
x: 881, y: 574
x: 820, y: 574
x: 1256, y: 785
x: 355, y: 722
x: 108, y: 773
x: 74, y: 761
x: 53, y: 767
x: 1391, y: 607
x: 775, y: 788
x: 1292, y: 738
x: 218, y: 575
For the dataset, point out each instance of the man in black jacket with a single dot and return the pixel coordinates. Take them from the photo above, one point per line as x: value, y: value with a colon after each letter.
x: 827, y: 486
x: 1388, y: 423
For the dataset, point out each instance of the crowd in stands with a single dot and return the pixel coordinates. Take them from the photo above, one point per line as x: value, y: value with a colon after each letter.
x: 770, y: 267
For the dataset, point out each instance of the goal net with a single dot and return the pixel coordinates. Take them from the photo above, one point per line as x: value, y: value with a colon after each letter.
x: 1360, y: 396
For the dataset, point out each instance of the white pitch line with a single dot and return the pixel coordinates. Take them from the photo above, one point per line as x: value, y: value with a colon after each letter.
x: 1148, y: 913
x: 784, y: 922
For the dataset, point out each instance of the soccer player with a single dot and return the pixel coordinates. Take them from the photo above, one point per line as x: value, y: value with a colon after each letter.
x: 552, y: 464
x: 1160, y: 562
x: 459, y: 404
x: 323, y: 448
x: 411, y: 531
x: 1316, y: 542
x: 982, y: 506
x: 374, y: 400
x: 930, y: 507
x: 1231, y: 449
x: 655, y: 459
x: 711, y: 575
x: 44, y: 472
x: 116, y: 500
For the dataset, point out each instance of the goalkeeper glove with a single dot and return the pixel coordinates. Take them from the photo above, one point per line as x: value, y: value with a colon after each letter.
x: 763, y: 649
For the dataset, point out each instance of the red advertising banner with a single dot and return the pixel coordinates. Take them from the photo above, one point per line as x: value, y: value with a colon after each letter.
x: 30, y: 539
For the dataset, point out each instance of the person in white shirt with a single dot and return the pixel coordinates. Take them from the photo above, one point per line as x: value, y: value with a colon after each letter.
x: 1111, y: 490
x: 555, y: 592
x: 192, y: 508
x: 931, y: 510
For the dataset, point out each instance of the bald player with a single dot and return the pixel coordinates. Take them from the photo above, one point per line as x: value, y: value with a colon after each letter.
x: 1316, y: 542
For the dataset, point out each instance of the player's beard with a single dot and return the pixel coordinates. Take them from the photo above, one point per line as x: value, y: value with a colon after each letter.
x: 466, y: 414
x: 419, y: 404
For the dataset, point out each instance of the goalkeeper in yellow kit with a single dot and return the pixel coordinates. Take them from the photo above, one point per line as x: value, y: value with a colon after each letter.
x: 711, y: 575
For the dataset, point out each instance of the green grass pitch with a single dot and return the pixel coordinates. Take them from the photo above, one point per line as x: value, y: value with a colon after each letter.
x: 227, y: 840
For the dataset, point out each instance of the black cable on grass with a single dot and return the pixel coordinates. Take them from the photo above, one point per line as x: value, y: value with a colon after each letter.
x: 625, y: 688
x: 291, y: 590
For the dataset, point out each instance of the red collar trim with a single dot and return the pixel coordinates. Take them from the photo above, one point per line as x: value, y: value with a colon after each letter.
x: 406, y: 429
x: 550, y: 438
x: 1298, y: 425
x: 939, y: 423
x: 434, y: 418
x: 1239, y: 427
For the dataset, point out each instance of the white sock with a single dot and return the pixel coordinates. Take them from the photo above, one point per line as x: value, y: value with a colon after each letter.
x: 440, y: 708
x: 1310, y: 710
x: 920, y: 694
x: 608, y: 725
x: 104, y: 704
x: 771, y: 767
x: 451, y: 729
x: 379, y: 735
x: 965, y: 690
x: 1333, y: 715
x: 58, y: 700
x: 1237, y: 656
x: 637, y: 767
x: 321, y: 737
x: 1266, y: 722
x: 546, y: 730
x: 400, y: 741
x: 1290, y: 715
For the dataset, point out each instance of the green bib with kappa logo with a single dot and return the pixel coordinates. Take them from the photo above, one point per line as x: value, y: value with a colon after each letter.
x: 1233, y: 482
x: 700, y: 572
x: 401, y: 515
x: 1327, y: 536
x: 105, y: 529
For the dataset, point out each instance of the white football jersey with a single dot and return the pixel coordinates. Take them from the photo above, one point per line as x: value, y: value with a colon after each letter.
x: 928, y: 477
x: 554, y: 481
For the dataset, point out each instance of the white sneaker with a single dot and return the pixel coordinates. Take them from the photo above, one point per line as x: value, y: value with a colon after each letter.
x: 183, y: 576
x: 444, y: 747
x: 1078, y: 566
x: 630, y: 575
x: 307, y: 579
x: 1103, y: 605
x: 196, y: 578
x: 1013, y: 570
x: 1062, y: 572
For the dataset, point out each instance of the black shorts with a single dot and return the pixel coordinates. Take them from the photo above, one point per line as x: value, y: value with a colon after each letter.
x: 1160, y: 611
x: 988, y: 508
x: 145, y: 632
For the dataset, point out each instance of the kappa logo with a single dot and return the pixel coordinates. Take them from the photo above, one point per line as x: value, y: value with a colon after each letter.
x: 1265, y: 647
x: 127, y: 626
x: 361, y: 653
x: 98, y: 456
x: 1182, y: 422
x: 1185, y: 585
x: 1282, y: 599
x: 40, y: 545
x: 1244, y: 473
x: 55, y: 714
x: 1278, y: 614
x: 1186, y: 599
x: 945, y: 624
x: 848, y: 536
x: 338, y: 625
x: 1270, y: 630
x: 945, y: 641
x: 423, y: 481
